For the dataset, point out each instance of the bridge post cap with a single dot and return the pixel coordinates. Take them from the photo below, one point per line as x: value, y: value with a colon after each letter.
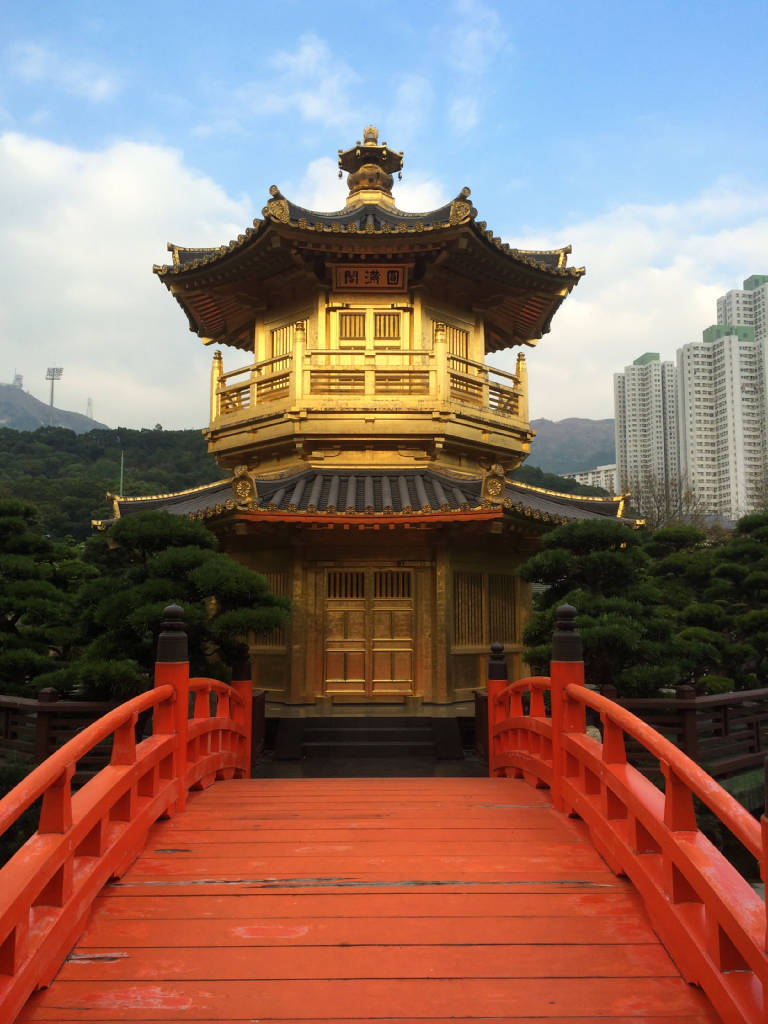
x: 497, y: 662
x: 49, y: 695
x: 685, y: 692
x: 566, y: 642
x: 172, y: 643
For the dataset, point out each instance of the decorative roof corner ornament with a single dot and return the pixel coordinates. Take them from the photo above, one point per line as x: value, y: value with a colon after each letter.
x: 369, y: 167
x: 277, y: 206
x: 244, y: 487
x: 494, y: 485
x: 461, y: 210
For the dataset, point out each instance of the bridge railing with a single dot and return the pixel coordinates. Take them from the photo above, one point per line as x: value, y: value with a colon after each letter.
x: 85, y: 838
x: 708, y: 916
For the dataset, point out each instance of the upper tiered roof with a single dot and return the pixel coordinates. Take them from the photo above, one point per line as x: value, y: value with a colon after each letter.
x: 293, y: 249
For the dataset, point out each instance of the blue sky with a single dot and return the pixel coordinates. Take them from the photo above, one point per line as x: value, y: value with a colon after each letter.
x: 634, y: 132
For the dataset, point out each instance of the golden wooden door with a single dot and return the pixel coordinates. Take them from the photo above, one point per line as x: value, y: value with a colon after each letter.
x: 369, y: 632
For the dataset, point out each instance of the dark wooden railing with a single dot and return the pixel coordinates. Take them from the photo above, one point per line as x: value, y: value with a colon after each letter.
x: 31, y: 730
x: 725, y: 733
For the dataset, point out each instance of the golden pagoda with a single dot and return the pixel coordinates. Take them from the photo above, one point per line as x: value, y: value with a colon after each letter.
x: 366, y: 440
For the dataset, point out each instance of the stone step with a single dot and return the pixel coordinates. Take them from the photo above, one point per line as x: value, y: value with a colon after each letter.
x: 369, y: 749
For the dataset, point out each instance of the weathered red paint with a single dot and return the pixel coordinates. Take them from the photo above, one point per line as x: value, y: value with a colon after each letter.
x: 83, y: 840
x: 706, y: 913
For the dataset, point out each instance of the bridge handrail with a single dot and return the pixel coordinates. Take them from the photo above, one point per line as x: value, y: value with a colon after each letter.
x: 41, y: 778
x: 707, y: 914
x: 722, y: 804
x: 48, y: 886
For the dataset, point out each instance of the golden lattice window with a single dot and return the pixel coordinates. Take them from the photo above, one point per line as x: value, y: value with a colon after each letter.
x: 392, y: 584
x: 279, y: 583
x: 483, y: 608
x: 386, y: 326
x: 352, y: 326
x: 346, y: 585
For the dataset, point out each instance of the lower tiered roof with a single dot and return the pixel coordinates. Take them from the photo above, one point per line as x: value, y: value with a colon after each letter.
x: 360, y: 493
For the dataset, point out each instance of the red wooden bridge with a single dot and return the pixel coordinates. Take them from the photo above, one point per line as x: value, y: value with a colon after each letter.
x: 565, y: 887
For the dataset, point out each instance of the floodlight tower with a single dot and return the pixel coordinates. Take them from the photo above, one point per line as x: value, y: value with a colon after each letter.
x: 53, y: 373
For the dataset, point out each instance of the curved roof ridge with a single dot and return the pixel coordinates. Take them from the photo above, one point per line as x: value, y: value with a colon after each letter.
x: 565, y: 494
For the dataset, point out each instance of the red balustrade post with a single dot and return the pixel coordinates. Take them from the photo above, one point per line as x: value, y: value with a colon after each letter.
x: 243, y: 687
x: 172, y: 666
x: 566, y: 667
x: 497, y: 681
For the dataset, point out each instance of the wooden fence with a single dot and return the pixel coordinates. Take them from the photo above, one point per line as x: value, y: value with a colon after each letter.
x: 31, y: 730
x: 725, y: 733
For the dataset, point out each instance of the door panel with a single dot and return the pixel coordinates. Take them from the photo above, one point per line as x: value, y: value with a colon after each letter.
x: 369, y: 632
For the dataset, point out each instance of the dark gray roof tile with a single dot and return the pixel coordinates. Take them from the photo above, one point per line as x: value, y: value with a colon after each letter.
x: 373, y: 492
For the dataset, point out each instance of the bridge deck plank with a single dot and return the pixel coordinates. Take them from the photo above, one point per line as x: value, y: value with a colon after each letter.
x: 354, y: 900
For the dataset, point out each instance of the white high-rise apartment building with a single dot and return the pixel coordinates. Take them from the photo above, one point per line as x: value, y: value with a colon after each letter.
x: 600, y: 476
x: 647, y: 458
x: 722, y: 419
x: 746, y: 306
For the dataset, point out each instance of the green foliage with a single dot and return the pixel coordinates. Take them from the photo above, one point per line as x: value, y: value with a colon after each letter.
x: 12, y: 770
x: 66, y: 475
x: 146, y: 562
x: 658, y: 608
x: 563, y: 485
x: 85, y: 619
x: 716, y: 684
x: 35, y: 603
x: 94, y: 679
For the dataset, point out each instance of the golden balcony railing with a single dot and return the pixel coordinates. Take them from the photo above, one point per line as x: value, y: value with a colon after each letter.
x: 428, y: 377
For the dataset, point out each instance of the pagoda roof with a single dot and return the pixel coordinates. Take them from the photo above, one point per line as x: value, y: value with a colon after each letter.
x: 518, y: 290
x: 365, y: 495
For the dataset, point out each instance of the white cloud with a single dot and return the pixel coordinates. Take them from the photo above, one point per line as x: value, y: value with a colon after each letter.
x: 653, y: 276
x: 420, y: 195
x: 477, y: 37
x: 464, y: 114
x: 320, y: 188
x: 34, y: 62
x: 310, y: 81
x: 475, y: 41
x: 79, y: 233
x: 412, y: 106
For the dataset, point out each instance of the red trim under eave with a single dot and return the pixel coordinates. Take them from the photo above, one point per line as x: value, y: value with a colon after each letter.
x: 361, y: 519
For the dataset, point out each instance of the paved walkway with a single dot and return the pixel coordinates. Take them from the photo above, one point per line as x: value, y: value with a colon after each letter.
x: 386, y: 900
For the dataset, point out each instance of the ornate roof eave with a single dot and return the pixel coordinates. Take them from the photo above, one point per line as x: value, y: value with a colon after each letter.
x: 206, y: 286
x: 285, y: 215
x: 297, y: 498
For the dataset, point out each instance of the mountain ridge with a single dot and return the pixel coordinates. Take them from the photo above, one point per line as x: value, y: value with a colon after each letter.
x: 572, y: 445
x: 21, y: 411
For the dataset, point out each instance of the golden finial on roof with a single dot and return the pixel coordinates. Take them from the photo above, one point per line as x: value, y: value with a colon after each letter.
x: 370, y: 166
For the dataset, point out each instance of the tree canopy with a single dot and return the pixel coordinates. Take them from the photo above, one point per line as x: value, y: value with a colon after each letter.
x: 66, y: 476
x: 87, y: 624
x: 657, y: 608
